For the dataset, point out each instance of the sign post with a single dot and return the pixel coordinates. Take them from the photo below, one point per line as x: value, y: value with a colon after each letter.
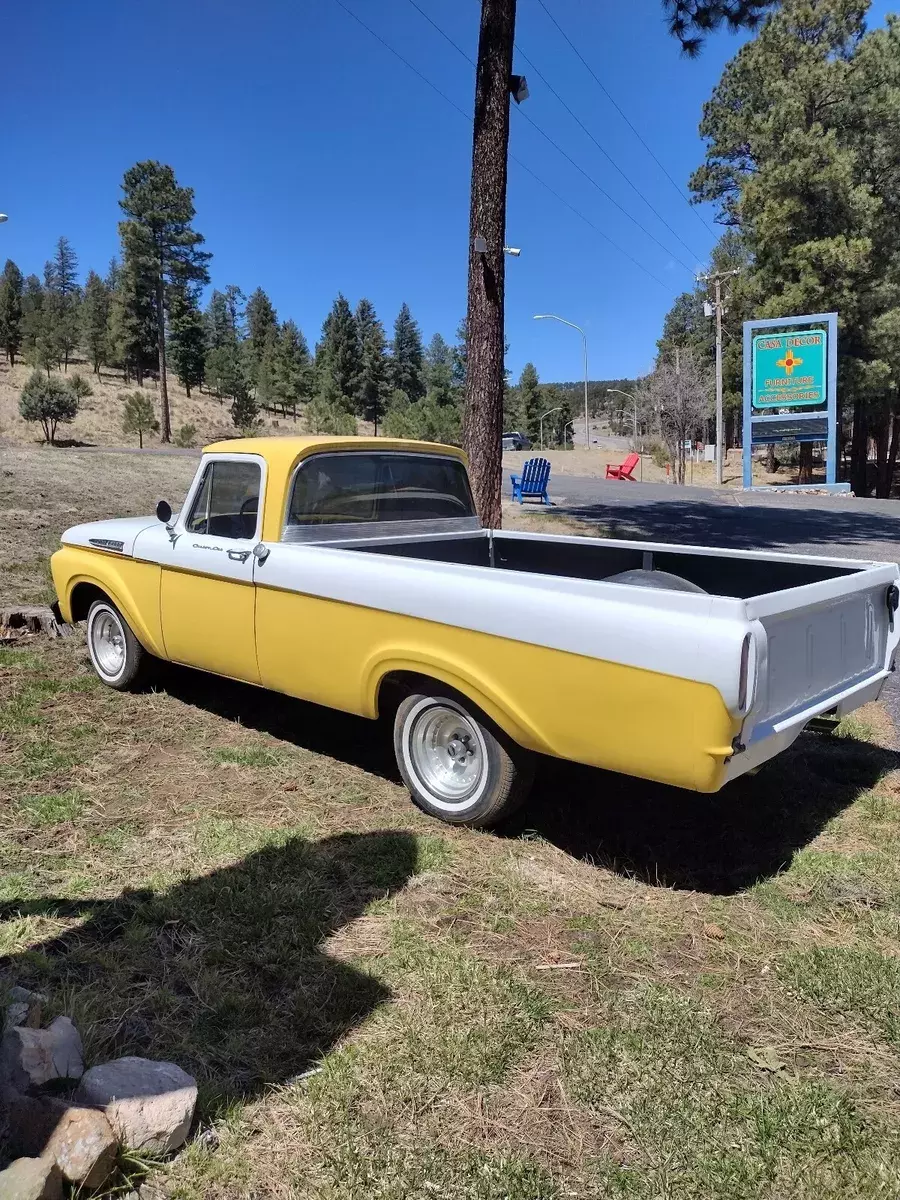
x: 790, y: 389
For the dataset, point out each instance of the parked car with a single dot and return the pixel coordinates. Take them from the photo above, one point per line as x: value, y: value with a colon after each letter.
x: 516, y: 441
x: 353, y: 572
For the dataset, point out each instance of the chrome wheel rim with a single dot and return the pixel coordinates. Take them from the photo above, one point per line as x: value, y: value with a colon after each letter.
x: 447, y: 752
x: 108, y: 644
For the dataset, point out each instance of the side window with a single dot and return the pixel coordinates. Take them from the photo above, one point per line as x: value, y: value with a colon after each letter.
x: 227, y: 502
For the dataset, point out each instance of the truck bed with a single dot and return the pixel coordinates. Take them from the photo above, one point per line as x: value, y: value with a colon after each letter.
x: 736, y: 574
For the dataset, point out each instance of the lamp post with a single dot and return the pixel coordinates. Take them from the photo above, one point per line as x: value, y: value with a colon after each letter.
x: 628, y: 396
x: 565, y: 437
x: 3, y: 217
x: 572, y: 325
x: 547, y: 414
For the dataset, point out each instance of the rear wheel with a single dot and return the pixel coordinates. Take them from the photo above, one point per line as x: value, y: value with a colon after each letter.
x: 457, y: 765
x: 116, y: 655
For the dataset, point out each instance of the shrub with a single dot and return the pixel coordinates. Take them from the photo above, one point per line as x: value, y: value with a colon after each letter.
x: 80, y: 387
x: 138, y: 416
x: 326, y: 416
x: 49, y: 401
x: 186, y: 437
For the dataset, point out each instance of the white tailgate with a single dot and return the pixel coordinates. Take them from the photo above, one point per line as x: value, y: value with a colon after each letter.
x: 817, y: 652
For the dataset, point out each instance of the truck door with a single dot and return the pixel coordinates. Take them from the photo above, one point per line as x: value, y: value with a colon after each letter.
x: 207, y: 598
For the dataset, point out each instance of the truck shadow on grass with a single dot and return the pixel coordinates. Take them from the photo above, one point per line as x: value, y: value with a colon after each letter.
x: 224, y: 974
x: 721, y: 843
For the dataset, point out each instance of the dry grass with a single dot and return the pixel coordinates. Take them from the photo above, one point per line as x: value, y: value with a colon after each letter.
x: 633, y: 992
x: 99, y: 421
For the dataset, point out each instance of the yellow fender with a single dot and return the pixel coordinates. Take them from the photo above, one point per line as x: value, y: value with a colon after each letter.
x: 131, y: 585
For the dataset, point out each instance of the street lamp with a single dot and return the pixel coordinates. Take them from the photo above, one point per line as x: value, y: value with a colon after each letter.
x: 547, y: 414
x: 628, y: 396
x: 3, y: 217
x: 565, y: 437
x: 572, y: 325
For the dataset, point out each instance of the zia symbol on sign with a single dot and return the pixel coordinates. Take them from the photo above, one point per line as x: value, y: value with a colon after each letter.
x: 789, y: 362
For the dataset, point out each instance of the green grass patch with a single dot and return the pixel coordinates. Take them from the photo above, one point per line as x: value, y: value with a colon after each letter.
x: 249, y: 756
x: 54, y: 807
x: 858, y: 986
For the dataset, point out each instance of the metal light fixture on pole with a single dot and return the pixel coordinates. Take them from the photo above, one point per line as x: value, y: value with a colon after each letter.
x: 628, y: 396
x: 3, y: 217
x: 565, y: 436
x: 547, y: 414
x: 572, y: 325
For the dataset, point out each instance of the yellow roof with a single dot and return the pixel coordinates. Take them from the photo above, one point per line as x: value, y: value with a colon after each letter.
x: 281, y: 453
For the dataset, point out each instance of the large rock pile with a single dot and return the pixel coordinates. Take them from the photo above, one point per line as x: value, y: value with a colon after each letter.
x: 133, y: 1103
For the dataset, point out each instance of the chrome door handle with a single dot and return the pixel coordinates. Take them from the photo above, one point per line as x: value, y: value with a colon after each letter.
x: 238, y: 555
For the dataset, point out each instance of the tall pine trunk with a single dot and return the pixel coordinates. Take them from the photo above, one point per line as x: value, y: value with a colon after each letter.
x: 859, y: 451
x: 165, y: 423
x: 483, y: 416
x: 804, y: 473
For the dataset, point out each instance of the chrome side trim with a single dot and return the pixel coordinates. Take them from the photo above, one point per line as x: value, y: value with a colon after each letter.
x: 107, y: 544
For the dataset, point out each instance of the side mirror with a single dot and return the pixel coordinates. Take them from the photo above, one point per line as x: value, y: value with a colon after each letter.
x: 164, y: 512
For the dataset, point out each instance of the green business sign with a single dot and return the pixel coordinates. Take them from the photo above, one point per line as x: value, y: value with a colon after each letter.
x: 789, y: 369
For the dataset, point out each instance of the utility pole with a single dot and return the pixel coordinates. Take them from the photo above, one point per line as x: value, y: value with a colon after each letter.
x: 483, y: 414
x: 718, y: 309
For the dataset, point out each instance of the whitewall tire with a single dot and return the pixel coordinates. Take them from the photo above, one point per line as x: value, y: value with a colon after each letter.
x: 119, y: 659
x: 456, y: 764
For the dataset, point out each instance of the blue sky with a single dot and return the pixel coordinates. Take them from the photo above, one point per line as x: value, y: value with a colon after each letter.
x: 321, y: 163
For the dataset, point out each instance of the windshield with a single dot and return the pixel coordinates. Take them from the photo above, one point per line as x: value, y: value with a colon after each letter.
x: 355, y: 487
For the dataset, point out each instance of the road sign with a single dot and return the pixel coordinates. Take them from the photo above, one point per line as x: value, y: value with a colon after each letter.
x: 789, y: 369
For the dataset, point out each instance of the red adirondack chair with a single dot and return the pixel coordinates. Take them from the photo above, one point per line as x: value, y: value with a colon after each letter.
x: 624, y: 471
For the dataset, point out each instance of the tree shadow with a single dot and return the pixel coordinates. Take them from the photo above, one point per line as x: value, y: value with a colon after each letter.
x: 224, y: 974
x: 720, y: 843
x: 752, y: 526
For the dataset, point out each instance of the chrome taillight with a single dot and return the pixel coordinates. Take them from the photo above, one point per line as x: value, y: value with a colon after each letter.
x: 747, y: 683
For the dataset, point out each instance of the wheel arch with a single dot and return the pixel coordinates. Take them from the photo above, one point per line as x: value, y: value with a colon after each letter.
x: 83, y: 589
x: 392, y: 678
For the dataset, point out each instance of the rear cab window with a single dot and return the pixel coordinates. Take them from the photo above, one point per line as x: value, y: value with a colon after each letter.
x: 226, y: 504
x: 354, y: 488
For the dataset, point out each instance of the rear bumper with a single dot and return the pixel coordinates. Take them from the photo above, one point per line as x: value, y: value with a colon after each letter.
x: 770, y: 738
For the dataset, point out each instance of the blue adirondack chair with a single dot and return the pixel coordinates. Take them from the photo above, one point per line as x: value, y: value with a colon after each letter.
x: 532, y: 483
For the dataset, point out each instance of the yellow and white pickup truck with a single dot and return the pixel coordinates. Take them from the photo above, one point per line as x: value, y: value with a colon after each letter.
x: 353, y: 572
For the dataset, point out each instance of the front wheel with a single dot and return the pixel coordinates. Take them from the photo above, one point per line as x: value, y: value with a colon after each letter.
x: 116, y: 655
x: 457, y: 766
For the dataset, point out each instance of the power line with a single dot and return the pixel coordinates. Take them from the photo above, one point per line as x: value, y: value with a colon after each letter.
x: 569, y: 158
x: 517, y: 161
x: 624, y: 117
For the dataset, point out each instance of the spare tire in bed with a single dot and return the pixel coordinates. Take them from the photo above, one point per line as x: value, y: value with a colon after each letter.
x: 655, y: 579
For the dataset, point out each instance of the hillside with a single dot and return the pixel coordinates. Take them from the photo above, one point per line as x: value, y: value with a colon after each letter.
x: 99, y: 421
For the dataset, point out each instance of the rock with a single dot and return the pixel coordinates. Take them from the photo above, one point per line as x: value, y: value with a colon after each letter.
x: 32, y: 1057
x: 150, y: 1105
x: 31, y: 1179
x: 208, y: 1139
x: 79, y: 1140
x: 24, y: 1008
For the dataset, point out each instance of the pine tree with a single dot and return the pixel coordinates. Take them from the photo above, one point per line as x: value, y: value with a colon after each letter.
x: 262, y: 321
x: 95, y: 309
x: 407, y: 357
x: 32, y: 315
x: 187, y: 337
x: 12, y: 286
x: 293, y: 375
x: 373, y: 377
x: 61, y: 282
x: 531, y: 401
x: 439, y: 381
x: 226, y: 366
x: 138, y: 416
x: 131, y: 330
x: 338, y: 357
x: 164, y: 248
